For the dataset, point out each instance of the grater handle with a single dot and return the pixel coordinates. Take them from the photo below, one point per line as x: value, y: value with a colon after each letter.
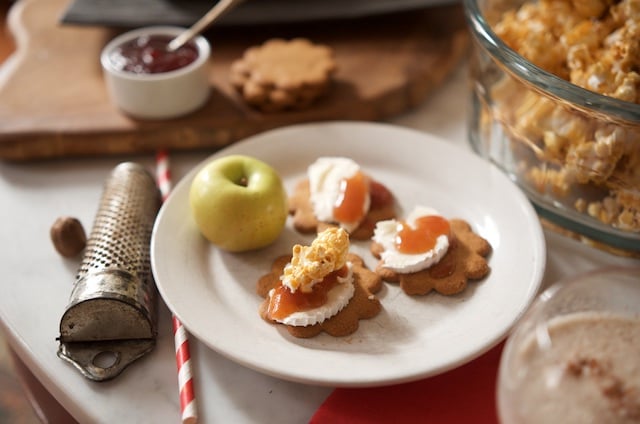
x: 100, y: 361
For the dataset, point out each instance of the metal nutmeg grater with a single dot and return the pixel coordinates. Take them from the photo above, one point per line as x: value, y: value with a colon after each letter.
x: 111, y: 318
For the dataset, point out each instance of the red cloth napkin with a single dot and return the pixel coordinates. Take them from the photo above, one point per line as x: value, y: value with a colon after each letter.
x: 463, y: 395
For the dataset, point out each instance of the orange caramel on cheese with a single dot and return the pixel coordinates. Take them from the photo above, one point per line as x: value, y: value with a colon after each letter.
x: 422, y: 236
x: 284, y: 302
x: 350, y: 205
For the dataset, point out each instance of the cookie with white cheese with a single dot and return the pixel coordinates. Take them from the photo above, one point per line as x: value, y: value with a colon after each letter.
x: 313, y: 201
x: 295, y: 283
x: 446, y: 268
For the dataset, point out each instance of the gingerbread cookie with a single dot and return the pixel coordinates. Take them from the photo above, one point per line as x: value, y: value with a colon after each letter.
x: 464, y: 260
x: 281, y: 75
x: 363, y: 304
x: 304, y: 220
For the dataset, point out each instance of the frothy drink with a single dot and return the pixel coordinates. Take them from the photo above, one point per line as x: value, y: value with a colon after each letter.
x: 584, y: 369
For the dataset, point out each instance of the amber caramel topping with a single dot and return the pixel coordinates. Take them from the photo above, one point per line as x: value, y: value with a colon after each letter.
x: 353, y: 195
x: 284, y: 302
x: 422, y: 236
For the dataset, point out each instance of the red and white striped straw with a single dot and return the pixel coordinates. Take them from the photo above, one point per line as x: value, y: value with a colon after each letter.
x: 188, y: 405
x: 163, y: 173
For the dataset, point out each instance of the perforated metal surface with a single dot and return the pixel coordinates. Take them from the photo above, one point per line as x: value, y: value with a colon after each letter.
x: 112, y: 307
x: 122, y: 229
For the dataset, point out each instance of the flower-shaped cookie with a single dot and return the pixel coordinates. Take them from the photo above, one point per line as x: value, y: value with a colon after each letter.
x: 465, y: 260
x: 363, y: 304
x: 282, y: 74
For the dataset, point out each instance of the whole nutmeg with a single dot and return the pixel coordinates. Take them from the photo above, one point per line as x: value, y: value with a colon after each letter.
x: 68, y: 236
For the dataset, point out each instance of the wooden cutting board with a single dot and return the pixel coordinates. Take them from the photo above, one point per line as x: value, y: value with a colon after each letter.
x: 53, y: 101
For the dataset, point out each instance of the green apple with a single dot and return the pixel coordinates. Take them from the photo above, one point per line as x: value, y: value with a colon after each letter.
x: 239, y: 203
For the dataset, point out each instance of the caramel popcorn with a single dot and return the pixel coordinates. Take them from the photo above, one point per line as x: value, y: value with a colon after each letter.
x: 594, y: 44
x: 310, y: 264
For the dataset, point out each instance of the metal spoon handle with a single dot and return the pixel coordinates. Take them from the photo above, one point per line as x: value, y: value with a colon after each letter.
x: 214, y: 13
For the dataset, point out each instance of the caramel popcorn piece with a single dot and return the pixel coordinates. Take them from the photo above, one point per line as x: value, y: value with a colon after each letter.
x: 327, y: 253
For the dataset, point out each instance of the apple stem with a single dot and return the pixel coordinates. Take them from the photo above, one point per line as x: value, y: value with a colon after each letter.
x: 243, y: 181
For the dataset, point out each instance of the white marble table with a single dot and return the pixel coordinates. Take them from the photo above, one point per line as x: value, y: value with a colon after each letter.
x: 36, y: 283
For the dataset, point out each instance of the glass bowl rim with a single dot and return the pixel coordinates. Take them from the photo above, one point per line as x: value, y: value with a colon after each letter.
x: 544, y: 81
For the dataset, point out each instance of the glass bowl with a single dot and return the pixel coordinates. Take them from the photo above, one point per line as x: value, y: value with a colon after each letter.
x: 574, y: 152
x: 574, y: 357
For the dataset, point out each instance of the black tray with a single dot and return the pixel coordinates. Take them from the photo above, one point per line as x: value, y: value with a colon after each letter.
x: 138, y: 13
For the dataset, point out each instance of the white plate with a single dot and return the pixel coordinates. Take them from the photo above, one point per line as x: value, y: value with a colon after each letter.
x: 213, y: 292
